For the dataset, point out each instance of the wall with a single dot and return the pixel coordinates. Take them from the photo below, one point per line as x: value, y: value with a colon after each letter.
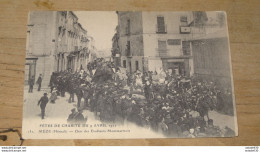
x: 42, y: 42
x: 61, y: 45
x: 134, y: 36
x: 136, y: 45
x: 41, y: 36
x: 44, y: 66
x: 133, y: 63
x: 211, y: 59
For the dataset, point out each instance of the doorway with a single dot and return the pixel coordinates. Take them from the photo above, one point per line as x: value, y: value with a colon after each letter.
x: 177, y: 68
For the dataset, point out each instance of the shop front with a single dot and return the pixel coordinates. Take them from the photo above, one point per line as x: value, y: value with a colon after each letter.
x: 178, y: 66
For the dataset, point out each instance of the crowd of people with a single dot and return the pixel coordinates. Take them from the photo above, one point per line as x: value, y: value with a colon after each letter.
x: 173, y: 105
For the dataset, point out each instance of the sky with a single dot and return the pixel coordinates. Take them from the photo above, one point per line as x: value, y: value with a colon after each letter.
x: 100, y: 25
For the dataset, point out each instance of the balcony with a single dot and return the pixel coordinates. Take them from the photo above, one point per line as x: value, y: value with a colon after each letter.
x: 161, y: 52
x: 161, y: 29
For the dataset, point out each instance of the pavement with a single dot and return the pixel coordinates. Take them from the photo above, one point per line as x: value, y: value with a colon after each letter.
x: 222, y: 120
x: 59, y: 112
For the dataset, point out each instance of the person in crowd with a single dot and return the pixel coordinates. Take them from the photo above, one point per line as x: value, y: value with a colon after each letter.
x: 174, y: 105
x: 228, y: 132
x: 71, y: 118
x: 79, y: 93
x: 31, y: 83
x: 79, y: 118
x: 39, y: 82
x: 71, y: 88
x: 42, y: 103
x: 148, y: 91
x: 211, y: 130
x: 52, y: 83
x: 191, y: 133
x: 174, y: 130
x: 53, y: 96
x: 162, y: 127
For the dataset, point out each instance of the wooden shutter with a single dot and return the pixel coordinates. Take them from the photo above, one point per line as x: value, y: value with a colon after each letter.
x: 186, y: 47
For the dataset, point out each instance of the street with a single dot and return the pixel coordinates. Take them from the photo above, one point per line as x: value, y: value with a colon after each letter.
x: 58, y: 113
x: 61, y: 110
x: 176, y: 83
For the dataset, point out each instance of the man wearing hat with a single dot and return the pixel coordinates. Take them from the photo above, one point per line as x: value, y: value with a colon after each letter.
x: 39, y: 82
x: 72, y: 116
x: 43, y: 102
x: 53, y: 96
x: 79, y: 118
x: 31, y: 83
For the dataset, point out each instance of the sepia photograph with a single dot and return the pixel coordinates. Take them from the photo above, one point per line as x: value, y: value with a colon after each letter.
x: 127, y: 75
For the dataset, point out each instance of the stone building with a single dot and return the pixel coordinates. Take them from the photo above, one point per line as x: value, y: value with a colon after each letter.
x: 55, y: 42
x: 186, y: 43
x: 150, y: 41
x: 210, y: 50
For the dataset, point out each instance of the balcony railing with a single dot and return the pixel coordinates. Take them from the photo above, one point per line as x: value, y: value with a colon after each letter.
x: 161, y: 52
x: 168, y: 52
x: 161, y: 29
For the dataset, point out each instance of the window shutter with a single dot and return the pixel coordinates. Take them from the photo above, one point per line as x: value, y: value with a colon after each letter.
x: 160, y: 24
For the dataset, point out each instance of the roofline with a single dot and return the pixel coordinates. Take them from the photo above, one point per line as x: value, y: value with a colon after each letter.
x: 82, y: 27
x: 74, y: 14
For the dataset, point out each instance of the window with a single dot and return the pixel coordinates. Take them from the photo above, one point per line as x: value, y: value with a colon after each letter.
x: 124, y: 63
x: 161, y: 28
x: 136, y: 65
x: 186, y: 48
x: 130, y: 67
x: 128, y: 27
x: 174, y: 41
x: 128, y: 48
x: 162, y: 48
x: 60, y: 30
x: 183, y: 20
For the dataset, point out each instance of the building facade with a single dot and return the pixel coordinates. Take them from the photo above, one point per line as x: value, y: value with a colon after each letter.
x: 150, y: 41
x: 56, y: 42
x: 131, y: 40
x: 186, y: 43
x: 210, y: 50
x: 105, y: 54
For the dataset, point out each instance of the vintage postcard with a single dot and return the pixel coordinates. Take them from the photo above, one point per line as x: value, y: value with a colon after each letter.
x: 123, y: 75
